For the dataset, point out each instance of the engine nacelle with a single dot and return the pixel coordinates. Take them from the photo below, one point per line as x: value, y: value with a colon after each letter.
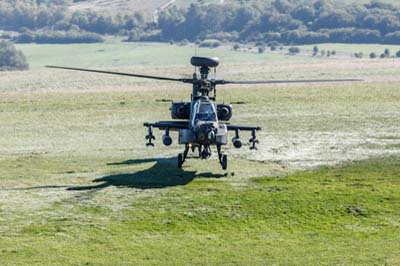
x: 180, y: 111
x: 224, y: 112
x: 237, y: 143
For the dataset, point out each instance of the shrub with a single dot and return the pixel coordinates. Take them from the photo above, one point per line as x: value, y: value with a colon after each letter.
x: 210, y: 44
x: 373, y: 55
x: 59, y: 37
x: 294, y: 50
x: 315, y: 50
x: 359, y: 55
x: 11, y: 58
x: 387, y: 52
x: 261, y: 49
x: 184, y: 42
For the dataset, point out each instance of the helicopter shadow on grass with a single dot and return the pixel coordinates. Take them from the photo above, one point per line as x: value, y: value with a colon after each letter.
x: 164, y: 173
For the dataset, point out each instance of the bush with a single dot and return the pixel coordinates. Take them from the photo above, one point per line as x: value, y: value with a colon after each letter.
x: 261, y: 49
x: 59, y: 37
x: 210, y: 44
x: 398, y: 54
x: 373, y: 55
x: 134, y: 35
x: 387, y: 52
x: 184, y: 42
x: 273, y: 45
x: 11, y: 58
x: 359, y: 55
x: 315, y: 50
x: 294, y: 50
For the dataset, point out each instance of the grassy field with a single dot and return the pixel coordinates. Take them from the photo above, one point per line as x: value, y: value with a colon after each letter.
x: 116, y: 54
x: 78, y: 187
x: 349, y: 49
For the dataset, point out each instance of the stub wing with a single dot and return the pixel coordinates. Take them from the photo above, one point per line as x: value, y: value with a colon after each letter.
x: 242, y: 128
x: 171, y: 125
x: 236, y: 140
x: 167, y: 126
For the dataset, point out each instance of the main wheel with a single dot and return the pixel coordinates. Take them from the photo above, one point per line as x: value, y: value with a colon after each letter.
x: 224, y: 162
x: 180, y: 160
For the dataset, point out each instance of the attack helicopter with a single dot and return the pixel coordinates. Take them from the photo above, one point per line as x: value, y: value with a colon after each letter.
x: 202, y: 123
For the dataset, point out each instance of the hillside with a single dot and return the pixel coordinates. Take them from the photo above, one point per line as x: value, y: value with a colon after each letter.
x: 121, y: 5
x: 147, y: 7
x: 150, y: 6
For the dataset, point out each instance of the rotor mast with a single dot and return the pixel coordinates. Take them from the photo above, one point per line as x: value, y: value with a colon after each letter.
x: 203, y: 86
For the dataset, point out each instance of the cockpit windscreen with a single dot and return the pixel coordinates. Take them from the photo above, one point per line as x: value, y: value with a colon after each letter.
x: 206, y: 112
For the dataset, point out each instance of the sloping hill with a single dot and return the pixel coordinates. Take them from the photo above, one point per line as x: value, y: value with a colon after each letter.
x: 119, y: 5
x: 149, y: 7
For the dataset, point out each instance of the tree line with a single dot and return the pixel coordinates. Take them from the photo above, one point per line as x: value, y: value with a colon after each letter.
x: 51, y: 21
x: 290, y: 22
x: 285, y: 21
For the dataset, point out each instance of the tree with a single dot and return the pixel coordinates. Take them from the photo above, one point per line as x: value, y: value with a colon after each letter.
x: 387, y: 52
x: 261, y: 49
x: 11, y: 58
x: 315, y: 50
x: 398, y: 54
x: 373, y: 55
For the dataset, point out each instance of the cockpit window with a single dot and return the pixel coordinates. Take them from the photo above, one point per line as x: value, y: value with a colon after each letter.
x: 205, y: 112
x: 205, y: 117
x: 206, y: 108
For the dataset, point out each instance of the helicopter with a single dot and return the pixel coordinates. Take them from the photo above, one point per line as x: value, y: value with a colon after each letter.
x: 202, y: 123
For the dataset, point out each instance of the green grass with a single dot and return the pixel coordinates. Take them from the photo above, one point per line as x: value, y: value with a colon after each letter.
x: 78, y: 186
x: 117, y: 54
x: 344, y: 215
x: 366, y: 49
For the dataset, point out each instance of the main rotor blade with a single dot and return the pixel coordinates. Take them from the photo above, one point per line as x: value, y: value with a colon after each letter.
x: 123, y: 74
x: 225, y: 82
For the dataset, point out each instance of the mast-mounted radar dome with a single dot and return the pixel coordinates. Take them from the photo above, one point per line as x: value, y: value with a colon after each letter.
x: 204, y: 61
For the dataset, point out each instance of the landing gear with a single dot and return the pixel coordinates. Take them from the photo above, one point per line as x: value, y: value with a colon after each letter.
x: 223, y: 159
x: 180, y: 160
x: 206, y: 152
x: 224, y: 162
x: 182, y: 156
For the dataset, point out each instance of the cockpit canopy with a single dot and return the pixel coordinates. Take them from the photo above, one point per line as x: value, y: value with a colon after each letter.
x: 205, y: 111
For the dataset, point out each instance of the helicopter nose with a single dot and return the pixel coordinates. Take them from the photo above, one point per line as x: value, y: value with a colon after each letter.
x: 206, y: 134
x: 211, y: 135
